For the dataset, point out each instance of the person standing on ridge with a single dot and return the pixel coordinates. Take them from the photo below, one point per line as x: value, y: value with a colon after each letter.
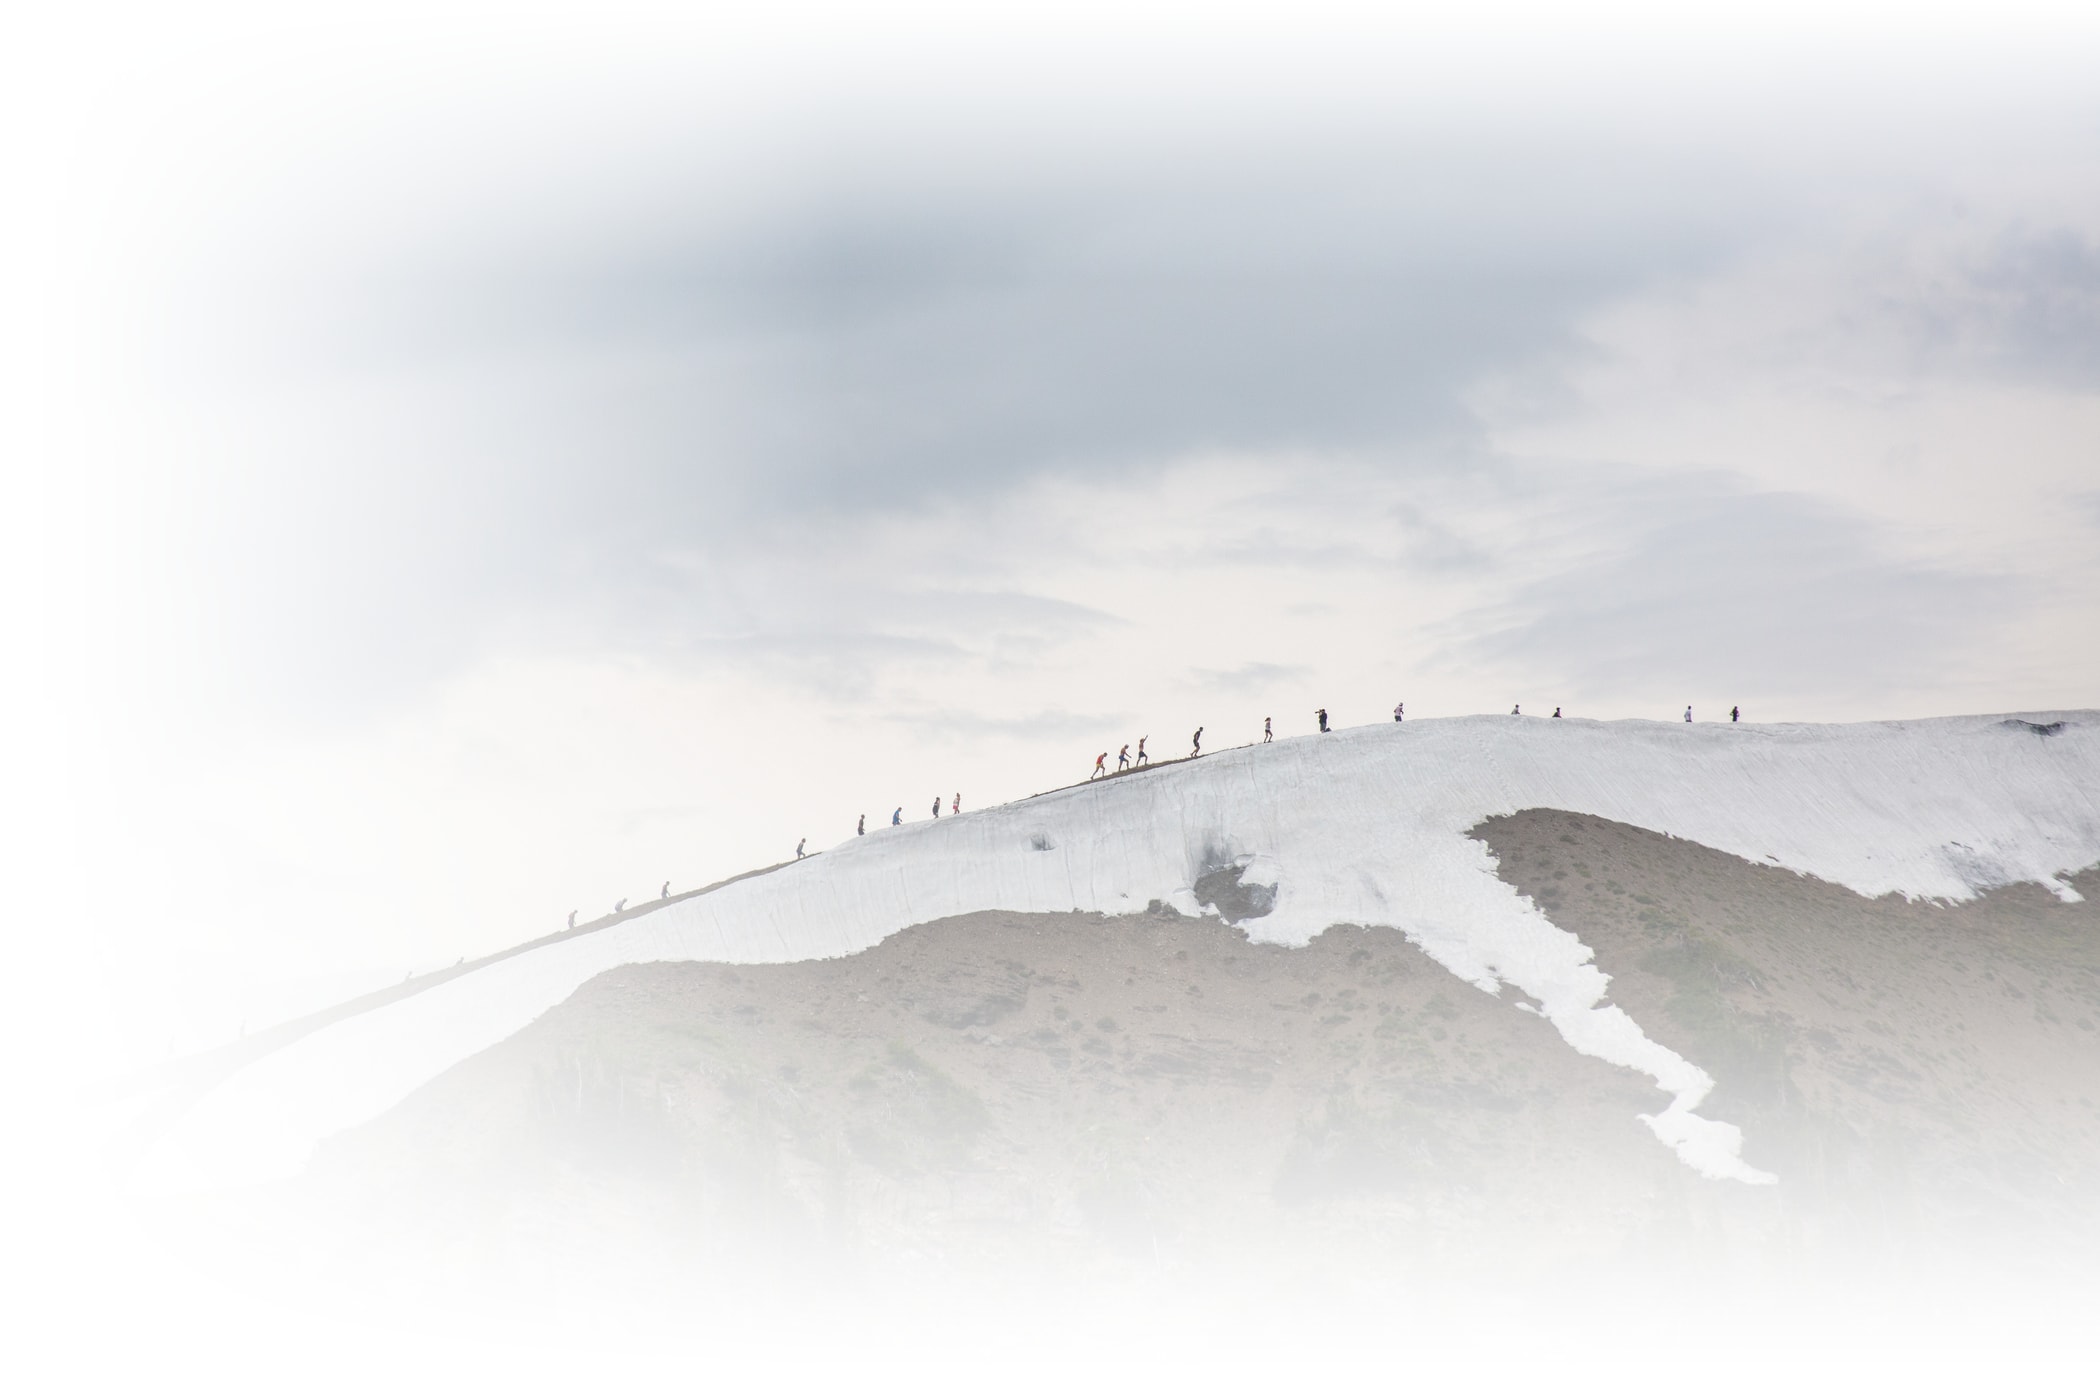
x: 1123, y: 759
x: 897, y: 817
x: 956, y: 805
x: 1196, y: 742
x: 1399, y: 711
x: 1142, y: 760
x: 1688, y: 714
x: 1267, y: 733
x: 1321, y: 716
x: 665, y: 892
x: 798, y: 847
x: 936, y: 806
x: 862, y: 829
x: 1556, y: 712
x: 1735, y: 713
x: 1516, y: 709
x: 1100, y: 765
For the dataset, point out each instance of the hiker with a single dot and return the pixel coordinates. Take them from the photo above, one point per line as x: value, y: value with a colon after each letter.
x: 1267, y: 733
x: 1100, y: 765
x: 572, y: 918
x: 1399, y: 712
x: 619, y: 904
x: 1196, y: 742
x: 665, y: 892
x: 1321, y: 716
x: 798, y: 847
x: 1556, y: 712
x: 1123, y: 759
x: 1142, y: 760
x: 862, y: 829
x: 897, y: 817
x: 1688, y: 714
x: 956, y: 805
x: 936, y: 806
x: 1516, y: 709
x: 1735, y: 712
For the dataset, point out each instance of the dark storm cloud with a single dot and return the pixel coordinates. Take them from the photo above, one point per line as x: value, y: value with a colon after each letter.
x: 1737, y: 593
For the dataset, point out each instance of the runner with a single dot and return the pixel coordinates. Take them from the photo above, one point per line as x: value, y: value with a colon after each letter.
x: 1123, y: 759
x: 1516, y: 709
x: 956, y: 805
x: 897, y: 817
x: 936, y: 806
x: 665, y: 892
x: 1196, y: 740
x: 1142, y: 760
x: 1267, y: 733
x: 798, y: 847
x: 1100, y: 766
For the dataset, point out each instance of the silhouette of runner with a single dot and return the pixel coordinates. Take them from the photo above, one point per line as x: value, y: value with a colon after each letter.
x: 798, y: 847
x: 1267, y: 733
x: 956, y: 805
x: 1123, y: 759
x: 1141, y: 753
x: 897, y: 817
x: 1100, y: 765
x: 936, y: 806
x: 1196, y: 740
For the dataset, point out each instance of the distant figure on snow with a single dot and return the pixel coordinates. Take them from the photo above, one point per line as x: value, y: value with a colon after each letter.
x: 936, y: 806
x: 1100, y: 765
x: 1321, y: 716
x: 1516, y: 709
x: 1688, y: 714
x: 897, y: 817
x: 619, y: 904
x: 1399, y: 712
x: 572, y: 918
x: 1267, y: 731
x: 1735, y: 712
x: 862, y: 829
x: 1142, y: 760
x: 1123, y: 759
x: 665, y: 892
x: 1196, y: 743
x: 798, y: 847
x: 1556, y: 712
x: 956, y: 805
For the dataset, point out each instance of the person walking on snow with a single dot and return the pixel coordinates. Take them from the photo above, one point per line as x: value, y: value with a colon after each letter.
x: 1196, y: 743
x: 1321, y: 716
x: 936, y: 806
x: 1100, y: 765
x: 665, y: 892
x: 1123, y: 759
x: 798, y: 847
x: 1735, y: 713
x: 1399, y: 712
x: 862, y: 829
x: 1267, y: 733
x: 1516, y: 709
x: 1688, y: 714
x: 956, y: 805
x: 897, y: 817
x: 1142, y: 760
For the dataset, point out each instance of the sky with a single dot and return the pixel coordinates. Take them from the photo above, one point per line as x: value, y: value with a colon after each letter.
x: 483, y: 463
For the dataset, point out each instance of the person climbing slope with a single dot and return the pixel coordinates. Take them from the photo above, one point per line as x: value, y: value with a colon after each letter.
x: 1142, y: 760
x: 956, y: 805
x: 897, y: 817
x: 1196, y: 743
x: 1123, y: 759
x: 1321, y: 716
x: 1268, y: 733
x: 1100, y: 765
x: 862, y: 828
x: 798, y: 847
x: 665, y: 892
x: 936, y: 806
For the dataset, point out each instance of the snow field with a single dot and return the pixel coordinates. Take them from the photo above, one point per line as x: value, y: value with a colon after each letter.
x: 1363, y: 826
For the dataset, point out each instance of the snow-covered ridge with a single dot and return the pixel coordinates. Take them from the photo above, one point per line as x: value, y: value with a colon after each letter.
x: 1364, y: 826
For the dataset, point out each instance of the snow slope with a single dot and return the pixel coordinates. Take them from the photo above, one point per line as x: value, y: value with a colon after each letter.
x: 1364, y: 826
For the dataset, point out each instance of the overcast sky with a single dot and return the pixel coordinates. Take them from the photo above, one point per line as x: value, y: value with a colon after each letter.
x: 492, y: 467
